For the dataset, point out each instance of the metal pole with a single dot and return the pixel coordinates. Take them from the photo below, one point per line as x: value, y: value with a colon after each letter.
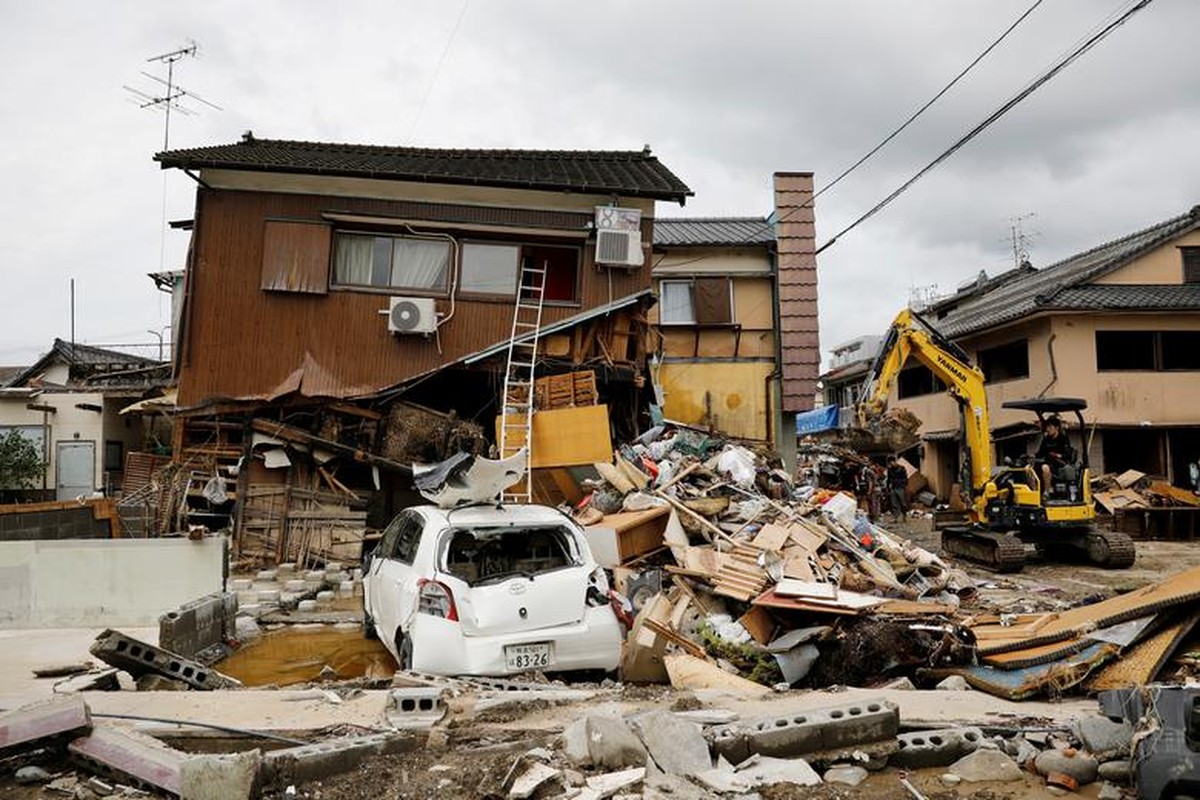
x: 72, y: 318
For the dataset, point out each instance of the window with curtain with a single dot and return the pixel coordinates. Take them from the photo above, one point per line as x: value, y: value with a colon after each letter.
x: 391, y: 262
x: 676, y: 303
x: 490, y: 268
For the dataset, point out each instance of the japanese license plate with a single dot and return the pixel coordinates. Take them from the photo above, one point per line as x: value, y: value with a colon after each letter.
x: 529, y: 656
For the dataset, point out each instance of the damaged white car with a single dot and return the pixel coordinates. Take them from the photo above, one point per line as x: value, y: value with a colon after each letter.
x: 489, y: 590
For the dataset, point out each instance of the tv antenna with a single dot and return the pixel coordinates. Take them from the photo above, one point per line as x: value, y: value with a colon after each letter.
x: 169, y: 100
x: 1019, y: 239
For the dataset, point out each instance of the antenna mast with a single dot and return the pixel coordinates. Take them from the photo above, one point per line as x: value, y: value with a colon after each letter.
x: 1019, y: 239
x: 174, y: 93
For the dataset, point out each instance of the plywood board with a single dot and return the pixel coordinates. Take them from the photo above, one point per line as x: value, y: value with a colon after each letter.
x: 1141, y: 663
x: 808, y: 536
x: 689, y: 672
x: 1177, y: 590
x: 771, y: 537
x: 790, y: 587
x: 568, y: 437
x: 1129, y: 477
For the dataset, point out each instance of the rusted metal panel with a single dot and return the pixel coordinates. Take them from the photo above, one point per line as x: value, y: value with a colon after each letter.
x: 246, y: 343
x: 296, y: 257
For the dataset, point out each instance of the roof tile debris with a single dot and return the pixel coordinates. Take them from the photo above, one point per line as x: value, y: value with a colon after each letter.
x: 633, y: 173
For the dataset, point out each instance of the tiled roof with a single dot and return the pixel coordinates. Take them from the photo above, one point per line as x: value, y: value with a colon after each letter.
x: 8, y: 373
x: 634, y: 173
x: 1008, y: 300
x: 1166, y: 297
x: 728, y: 231
x: 84, y: 360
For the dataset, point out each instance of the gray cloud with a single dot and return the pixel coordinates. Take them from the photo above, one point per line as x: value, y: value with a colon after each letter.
x: 725, y: 93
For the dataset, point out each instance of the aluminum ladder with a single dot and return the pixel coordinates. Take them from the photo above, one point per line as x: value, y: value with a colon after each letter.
x: 516, y: 417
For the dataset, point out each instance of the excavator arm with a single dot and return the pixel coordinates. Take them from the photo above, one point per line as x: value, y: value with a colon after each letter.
x: 910, y: 336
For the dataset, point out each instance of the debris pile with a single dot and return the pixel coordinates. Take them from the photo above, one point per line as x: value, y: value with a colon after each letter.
x: 1134, y: 490
x: 751, y: 577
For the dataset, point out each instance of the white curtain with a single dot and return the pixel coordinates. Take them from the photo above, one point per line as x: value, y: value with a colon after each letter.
x: 677, y: 305
x: 420, y: 264
x: 352, y: 261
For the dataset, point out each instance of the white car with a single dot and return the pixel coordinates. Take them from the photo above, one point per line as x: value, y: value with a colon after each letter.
x: 489, y: 590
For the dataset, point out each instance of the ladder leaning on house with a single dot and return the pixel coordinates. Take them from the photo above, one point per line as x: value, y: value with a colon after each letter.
x: 516, y: 412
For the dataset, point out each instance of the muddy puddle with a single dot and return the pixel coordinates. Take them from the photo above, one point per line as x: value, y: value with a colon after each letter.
x: 298, y: 653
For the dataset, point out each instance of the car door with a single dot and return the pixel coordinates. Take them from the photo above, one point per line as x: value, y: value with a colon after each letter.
x: 393, y: 584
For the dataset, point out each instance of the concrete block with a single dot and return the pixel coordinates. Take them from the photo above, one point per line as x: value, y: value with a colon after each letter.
x: 200, y: 625
x: 306, y: 605
x: 297, y: 586
x: 325, y: 597
x: 240, y: 584
x: 346, y: 588
x: 286, y: 569
x: 337, y: 577
x: 138, y: 658
x: 415, y: 707
x: 220, y: 777
x: 829, y: 729
x: 266, y: 575
x: 612, y: 745
x: 125, y: 755
x: 61, y: 717
x: 676, y: 745
x: 939, y: 748
x: 296, y: 765
x: 333, y: 566
x: 269, y: 597
x: 314, y: 576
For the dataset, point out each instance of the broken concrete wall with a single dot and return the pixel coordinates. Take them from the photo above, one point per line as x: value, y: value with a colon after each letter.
x: 113, y: 582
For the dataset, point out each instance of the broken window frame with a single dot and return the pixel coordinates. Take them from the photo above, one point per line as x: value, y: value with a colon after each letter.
x: 1004, y: 362
x: 920, y: 382
x: 567, y: 541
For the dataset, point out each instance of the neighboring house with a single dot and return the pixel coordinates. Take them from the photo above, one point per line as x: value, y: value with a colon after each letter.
x: 1118, y: 325
x: 849, y: 363
x: 737, y: 317
x: 325, y: 282
x: 68, y: 405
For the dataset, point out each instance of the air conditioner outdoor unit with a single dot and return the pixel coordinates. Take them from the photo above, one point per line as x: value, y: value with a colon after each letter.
x: 619, y: 236
x: 620, y: 248
x: 412, y: 315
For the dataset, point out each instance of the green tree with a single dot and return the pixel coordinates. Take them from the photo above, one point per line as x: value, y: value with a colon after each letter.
x: 21, y: 464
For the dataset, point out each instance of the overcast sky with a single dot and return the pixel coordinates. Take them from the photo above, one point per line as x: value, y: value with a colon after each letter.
x: 725, y: 93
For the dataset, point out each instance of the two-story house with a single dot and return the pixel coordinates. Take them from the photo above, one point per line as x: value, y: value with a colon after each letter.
x: 738, y: 348
x: 1117, y: 325
x: 325, y: 282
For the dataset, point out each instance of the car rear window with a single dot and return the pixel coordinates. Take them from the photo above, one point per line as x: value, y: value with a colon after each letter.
x: 485, y: 555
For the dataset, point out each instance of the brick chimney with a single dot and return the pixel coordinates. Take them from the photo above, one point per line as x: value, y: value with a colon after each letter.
x: 795, y: 236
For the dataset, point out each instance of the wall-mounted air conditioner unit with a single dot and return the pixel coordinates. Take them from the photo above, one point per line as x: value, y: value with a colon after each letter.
x: 412, y: 315
x: 619, y: 237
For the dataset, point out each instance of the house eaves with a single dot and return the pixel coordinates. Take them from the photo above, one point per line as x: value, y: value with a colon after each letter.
x: 635, y: 173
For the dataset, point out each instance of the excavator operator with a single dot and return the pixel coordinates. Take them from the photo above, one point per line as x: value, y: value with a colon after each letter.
x: 1054, y: 452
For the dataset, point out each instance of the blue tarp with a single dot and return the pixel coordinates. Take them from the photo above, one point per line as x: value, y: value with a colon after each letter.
x: 820, y: 419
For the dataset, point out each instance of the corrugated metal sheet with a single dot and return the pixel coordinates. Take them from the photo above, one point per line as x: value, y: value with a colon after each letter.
x: 296, y: 257
x: 244, y: 343
x: 728, y: 231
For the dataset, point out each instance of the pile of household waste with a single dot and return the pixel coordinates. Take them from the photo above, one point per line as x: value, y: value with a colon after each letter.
x: 739, y: 578
x: 735, y: 573
x: 1133, y: 490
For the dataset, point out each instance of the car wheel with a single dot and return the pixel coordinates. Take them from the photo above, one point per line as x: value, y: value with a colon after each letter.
x: 368, y: 625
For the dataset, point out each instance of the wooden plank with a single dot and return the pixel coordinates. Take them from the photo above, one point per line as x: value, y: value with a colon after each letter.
x: 568, y: 437
x: 1141, y: 663
x: 674, y: 638
x: 689, y: 672
x: 771, y: 537
x: 1129, y: 477
x: 759, y: 623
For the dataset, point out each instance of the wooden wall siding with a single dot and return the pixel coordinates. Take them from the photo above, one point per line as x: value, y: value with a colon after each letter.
x: 296, y: 257
x: 245, y: 343
x: 797, y: 270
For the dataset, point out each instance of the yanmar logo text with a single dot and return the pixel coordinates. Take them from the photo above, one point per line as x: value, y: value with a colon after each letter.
x: 952, y: 369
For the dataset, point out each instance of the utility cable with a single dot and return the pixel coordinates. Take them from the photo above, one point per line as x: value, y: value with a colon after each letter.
x: 993, y: 117
x: 931, y: 101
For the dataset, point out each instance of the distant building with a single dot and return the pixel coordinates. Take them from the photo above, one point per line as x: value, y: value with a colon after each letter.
x: 1118, y: 325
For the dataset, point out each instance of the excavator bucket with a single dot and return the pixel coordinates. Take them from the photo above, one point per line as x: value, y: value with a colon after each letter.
x: 893, y: 432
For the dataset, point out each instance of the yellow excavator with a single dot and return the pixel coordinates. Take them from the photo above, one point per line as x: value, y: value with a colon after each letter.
x: 1007, y: 506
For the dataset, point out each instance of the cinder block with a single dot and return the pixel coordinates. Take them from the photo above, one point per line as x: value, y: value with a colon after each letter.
x: 200, y: 625
x: 126, y: 756
x: 138, y: 658
x: 415, y: 707
x: 936, y: 748
x: 296, y: 765
x: 818, y: 730
x: 61, y: 717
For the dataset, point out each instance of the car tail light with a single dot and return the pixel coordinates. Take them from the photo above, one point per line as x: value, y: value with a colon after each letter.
x: 435, y: 599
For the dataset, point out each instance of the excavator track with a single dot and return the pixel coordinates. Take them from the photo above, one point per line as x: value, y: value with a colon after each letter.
x: 999, y: 552
x: 1111, y: 549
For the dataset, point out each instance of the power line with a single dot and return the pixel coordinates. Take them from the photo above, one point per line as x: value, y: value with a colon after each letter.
x: 437, y: 69
x: 986, y: 123
x: 931, y: 101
